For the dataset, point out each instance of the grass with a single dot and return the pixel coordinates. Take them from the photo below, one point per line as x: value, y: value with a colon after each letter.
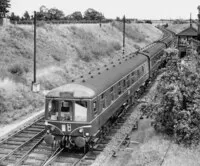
x: 64, y: 52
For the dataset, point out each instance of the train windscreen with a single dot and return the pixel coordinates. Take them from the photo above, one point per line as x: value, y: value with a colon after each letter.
x: 67, y: 110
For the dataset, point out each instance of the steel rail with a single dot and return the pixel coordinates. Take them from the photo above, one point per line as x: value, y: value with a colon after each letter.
x: 28, y: 152
x: 23, y: 144
x: 53, y: 157
x: 21, y: 129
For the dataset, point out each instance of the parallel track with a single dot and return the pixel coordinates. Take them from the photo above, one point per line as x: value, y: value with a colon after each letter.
x: 13, y: 148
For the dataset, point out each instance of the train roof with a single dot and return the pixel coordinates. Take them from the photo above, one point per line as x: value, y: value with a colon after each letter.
x: 94, y: 84
x: 159, y: 45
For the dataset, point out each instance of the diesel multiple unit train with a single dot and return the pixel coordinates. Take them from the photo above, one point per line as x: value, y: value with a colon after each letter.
x: 76, y: 112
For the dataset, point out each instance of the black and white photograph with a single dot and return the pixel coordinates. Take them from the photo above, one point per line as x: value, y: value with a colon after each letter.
x: 99, y: 83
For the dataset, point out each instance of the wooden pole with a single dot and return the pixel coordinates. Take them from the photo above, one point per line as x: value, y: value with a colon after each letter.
x: 124, y: 22
x: 34, y: 59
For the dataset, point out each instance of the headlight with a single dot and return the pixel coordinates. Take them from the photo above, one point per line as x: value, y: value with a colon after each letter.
x: 87, y: 134
x: 80, y: 130
x: 52, y: 128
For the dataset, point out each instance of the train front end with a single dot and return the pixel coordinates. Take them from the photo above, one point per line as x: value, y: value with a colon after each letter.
x: 67, y: 116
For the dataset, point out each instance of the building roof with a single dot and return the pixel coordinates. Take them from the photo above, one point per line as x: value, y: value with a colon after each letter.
x: 190, y: 31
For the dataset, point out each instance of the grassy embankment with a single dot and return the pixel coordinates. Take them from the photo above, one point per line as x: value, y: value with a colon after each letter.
x: 64, y: 52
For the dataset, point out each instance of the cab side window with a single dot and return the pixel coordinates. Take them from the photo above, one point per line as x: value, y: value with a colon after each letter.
x: 95, y: 108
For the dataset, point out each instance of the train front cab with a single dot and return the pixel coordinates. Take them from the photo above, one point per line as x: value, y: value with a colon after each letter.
x: 67, y: 120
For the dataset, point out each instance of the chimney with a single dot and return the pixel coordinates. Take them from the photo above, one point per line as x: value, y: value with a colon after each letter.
x: 198, y: 33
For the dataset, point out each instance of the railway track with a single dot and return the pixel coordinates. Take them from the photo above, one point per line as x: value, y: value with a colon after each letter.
x: 13, y: 148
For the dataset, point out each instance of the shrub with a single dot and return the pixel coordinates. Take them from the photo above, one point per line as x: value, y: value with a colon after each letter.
x: 56, y: 57
x: 83, y: 54
x: 16, y: 69
x: 178, y: 113
x: 116, y: 45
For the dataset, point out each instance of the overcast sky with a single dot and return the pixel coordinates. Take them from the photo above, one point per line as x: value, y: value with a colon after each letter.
x: 142, y: 9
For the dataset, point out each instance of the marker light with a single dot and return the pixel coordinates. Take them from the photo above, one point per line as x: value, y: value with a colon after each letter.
x: 50, y: 106
x: 46, y: 123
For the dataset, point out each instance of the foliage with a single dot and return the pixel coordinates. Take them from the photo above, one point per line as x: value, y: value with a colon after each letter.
x: 76, y: 16
x: 14, y: 17
x: 91, y: 14
x: 55, y: 14
x: 178, y: 112
x: 49, y: 14
x: 26, y: 16
x: 148, y: 21
x: 4, y: 5
x: 118, y: 19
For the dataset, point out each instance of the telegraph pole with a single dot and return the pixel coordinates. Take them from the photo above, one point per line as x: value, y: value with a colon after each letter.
x: 34, y: 59
x: 124, y: 22
x: 35, y: 85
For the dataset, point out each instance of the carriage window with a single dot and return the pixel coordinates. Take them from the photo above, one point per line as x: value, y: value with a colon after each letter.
x: 124, y: 83
x: 111, y: 89
x: 119, y: 88
x: 103, y: 100
x: 142, y: 69
x: 112, y: 93
x: 52, y: 109
x: 138, y: 73
x: 128, y: 81
x: 95, y: 108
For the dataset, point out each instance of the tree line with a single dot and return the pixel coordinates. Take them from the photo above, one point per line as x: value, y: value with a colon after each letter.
x: 54, y: 14
x: 45, y: 14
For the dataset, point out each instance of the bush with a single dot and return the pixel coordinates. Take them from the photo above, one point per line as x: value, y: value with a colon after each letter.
x: 16, y: 69
x: 116, y: 45
x: 178, y: 113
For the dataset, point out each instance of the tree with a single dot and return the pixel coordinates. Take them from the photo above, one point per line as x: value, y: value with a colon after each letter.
x: 91, y: 14
x: 43, y: 13
x: 55, y: 14
x: 76, y: 16
x: 14, y: 17
x: 178, y: 112
x: 117, y: 19
x: 4, y: 5
x: 26, y: 16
